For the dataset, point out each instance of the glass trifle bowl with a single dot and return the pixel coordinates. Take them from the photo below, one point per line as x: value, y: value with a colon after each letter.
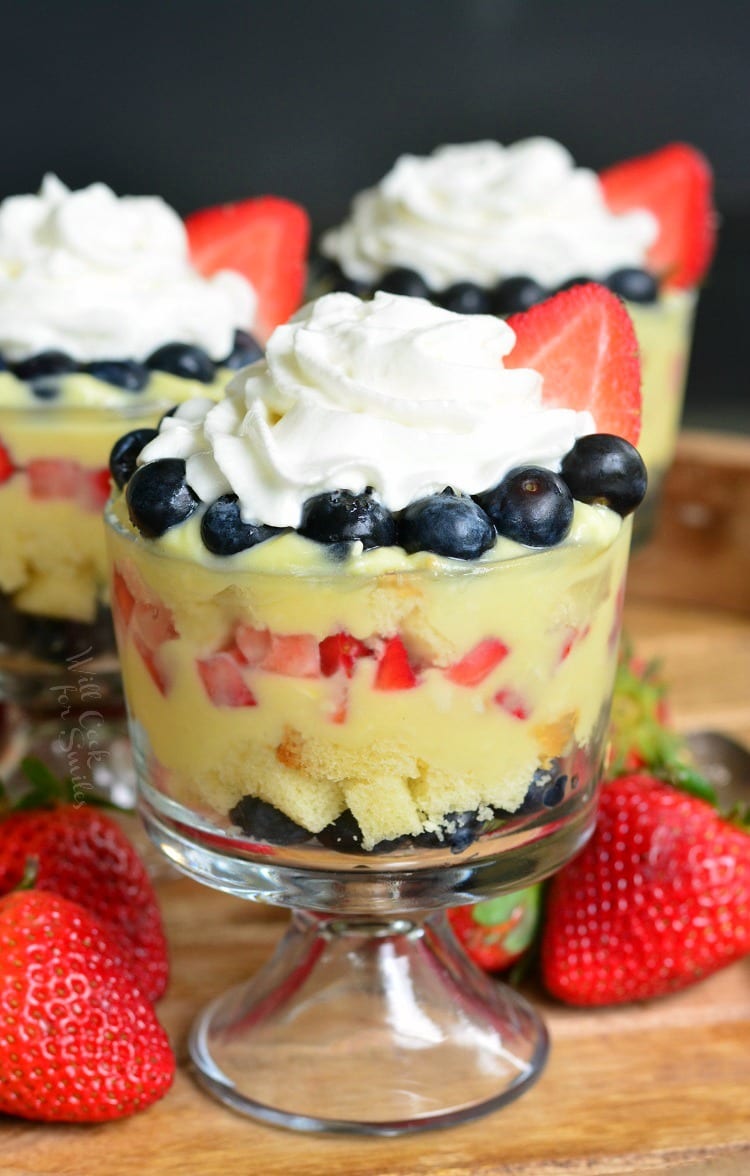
x: 488, y: 228
x: 369, y: 712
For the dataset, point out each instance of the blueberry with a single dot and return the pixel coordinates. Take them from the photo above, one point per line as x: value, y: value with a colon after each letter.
x: 263, y: 822
x: 458, y: 831
x: 466, y: 298
x: 606, y: 469
x: 184, y: 360
x: 356, y: 286
x: 343, y: 834
x: 517, y: 294
x: 246, y: 350
x: 579, y: 280
x: 46, y: 363
x: 326, y: 274
x: 404, y: 281
x: 637, y: 285
x: 339, y: 516
x: 547, y: 790
x: 46, y: 389
x: 531, y: 505
x: 158, y: 496
x: 123, y: 373
x: 125, y: 452
x: 446, y: 524
x: 169, y: 413
x: 223, y: 531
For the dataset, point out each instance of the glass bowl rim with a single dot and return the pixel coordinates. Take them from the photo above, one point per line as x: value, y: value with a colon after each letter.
x: 444, y: 569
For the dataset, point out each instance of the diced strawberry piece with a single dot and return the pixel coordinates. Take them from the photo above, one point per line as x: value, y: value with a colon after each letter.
x: 513, y: 704
x: 572, y: 637
x: 394, y: 671
x: 56, y: 477
x: 7, y: 468
x: 252, y: 643
x: 266, y: 239
x: 341, y: 651
x: 340, y: 712
x: 674, y: 183
x: 294, y: 654
x: 151, y: 663
x: 583, y: 344
x: 478, y: 663
x: 53, y: 477
x: 154, y: 623
x: 222, y: 678
x: 93, y: 489
x: 123, y: 601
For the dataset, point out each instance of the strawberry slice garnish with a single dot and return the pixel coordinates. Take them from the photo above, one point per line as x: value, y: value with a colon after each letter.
x: 7, y: 468
x: 478, y: 663
x: 266, y: 240
x: 223, y: 681
x: 394, y: 671
x: 341, y: 651
x: 583, y: 345
x: 675, y: 184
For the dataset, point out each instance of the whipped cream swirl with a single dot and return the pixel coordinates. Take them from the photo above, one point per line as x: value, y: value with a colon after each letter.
x: 102, y: 277
x: 396, y: 394
x: 482, y: 212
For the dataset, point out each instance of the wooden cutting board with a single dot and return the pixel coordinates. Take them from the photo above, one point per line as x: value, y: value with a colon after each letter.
x: 660, y: 1087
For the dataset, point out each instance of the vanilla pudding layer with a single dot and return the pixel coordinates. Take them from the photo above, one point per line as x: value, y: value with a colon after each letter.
x: 52, y: 555
x: 509, y: 662
x: 664, y: 332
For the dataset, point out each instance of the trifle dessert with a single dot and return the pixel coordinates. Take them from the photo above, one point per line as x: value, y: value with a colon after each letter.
x: 368, y: 604
x: 484, y: 228
x: 112, y: 312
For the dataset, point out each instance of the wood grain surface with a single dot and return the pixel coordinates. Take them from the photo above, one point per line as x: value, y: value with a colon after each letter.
x: 663, y: 1086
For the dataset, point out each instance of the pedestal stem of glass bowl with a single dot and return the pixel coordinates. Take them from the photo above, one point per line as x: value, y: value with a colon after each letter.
x: 368, y: 1026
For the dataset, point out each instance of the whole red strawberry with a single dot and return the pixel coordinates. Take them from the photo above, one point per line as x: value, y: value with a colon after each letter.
x: 78, y: 1042
x: 82, y: 854
x: 659, y: 898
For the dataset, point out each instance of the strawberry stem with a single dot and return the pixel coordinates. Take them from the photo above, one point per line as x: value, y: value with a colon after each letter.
x: 48, y: 790
x: 30, y: 874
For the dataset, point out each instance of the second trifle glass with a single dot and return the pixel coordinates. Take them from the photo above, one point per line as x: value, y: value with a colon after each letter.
x: 371, y: 697
x: 106, y: 324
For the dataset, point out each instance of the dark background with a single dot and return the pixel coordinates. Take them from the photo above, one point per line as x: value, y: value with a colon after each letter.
x: 204, y: 102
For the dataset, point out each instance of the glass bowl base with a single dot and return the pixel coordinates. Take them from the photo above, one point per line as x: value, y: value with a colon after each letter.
x: 368, y: 1027
x: 331, y: 882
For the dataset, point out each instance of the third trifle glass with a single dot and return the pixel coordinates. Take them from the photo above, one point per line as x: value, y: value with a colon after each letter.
x: 379, y: 711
